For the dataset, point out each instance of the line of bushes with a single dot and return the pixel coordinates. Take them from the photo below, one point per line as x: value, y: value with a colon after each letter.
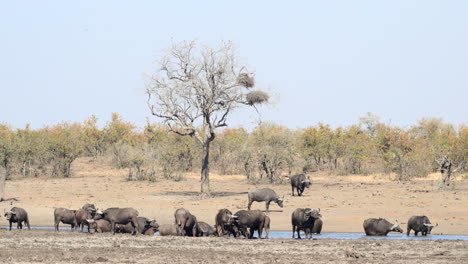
x: 264, y: 154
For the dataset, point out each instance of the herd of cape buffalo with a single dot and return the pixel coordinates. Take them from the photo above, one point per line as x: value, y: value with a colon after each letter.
x: 241, y: 224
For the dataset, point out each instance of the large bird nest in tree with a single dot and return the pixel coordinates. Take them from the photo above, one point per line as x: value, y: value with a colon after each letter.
x: 246, y: 80
x: 256, y: 97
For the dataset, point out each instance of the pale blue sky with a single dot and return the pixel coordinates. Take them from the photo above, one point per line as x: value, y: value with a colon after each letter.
x: 328, y: 61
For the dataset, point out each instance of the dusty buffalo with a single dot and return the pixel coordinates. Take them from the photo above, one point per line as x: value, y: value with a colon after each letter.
x: 249, y: 221
x: 17, y: 215
x: 100, y: 225
x: 186, y: 222
x: 65, y: 216
x: 317, y: 229
x: 120, y: 216
x: 299, y: 182
x: 205, y: 229
x: 88, y: 211
x: 224, y: 223
x: 420, y: 224
x: 264, y: 195
x: 143, y: 225
x: 304, y: 219
x: 168, y: 230
x: 380, y: 227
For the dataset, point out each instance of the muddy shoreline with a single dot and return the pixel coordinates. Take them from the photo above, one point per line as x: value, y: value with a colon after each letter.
x: 43, y: 246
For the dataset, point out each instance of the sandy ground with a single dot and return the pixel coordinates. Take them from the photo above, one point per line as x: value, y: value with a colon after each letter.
x: 345, y: 201
x: 40, y: 246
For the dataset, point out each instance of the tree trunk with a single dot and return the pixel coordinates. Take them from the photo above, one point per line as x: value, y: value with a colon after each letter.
x: 205, y: 172
x: 2, y: 182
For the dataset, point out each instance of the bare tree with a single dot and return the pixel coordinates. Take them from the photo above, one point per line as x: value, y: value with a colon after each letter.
x: 3, y: 174
x: 195, y: 90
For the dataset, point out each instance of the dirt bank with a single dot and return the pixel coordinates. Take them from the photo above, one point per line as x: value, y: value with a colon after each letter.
x: 44, y: 246
x: 344, y: 201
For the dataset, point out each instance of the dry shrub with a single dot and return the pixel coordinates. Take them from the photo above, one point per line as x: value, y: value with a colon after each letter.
x: 256, y: 97
x: 246, y: 80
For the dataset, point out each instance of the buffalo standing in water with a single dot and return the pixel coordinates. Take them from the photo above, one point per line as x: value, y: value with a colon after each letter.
x: 304, y: 219
x: 420, y: 224
x: 249, y: 221
x: 17, y: 215
x: 380, y: 227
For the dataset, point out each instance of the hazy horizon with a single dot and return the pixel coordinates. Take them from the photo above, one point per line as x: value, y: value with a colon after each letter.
x: 329, y: 62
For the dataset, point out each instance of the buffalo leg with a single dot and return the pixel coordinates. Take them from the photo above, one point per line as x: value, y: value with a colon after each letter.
x: 19, y: 225
x: 267, y: 205
x: 134, y: 225
x: 292, y: 187
x: 11, y: 223
x: 416, y: 233
x: 56, y: 225
x: 299, y: 191
x: 294, y: 230
x: 298, y: 233
x: 250, y: 204
x: 27, y: 223
x: 113, y: 227
x: 408, y: 231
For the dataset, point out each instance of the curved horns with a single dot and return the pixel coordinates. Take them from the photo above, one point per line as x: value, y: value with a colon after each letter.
x: 429, y: 225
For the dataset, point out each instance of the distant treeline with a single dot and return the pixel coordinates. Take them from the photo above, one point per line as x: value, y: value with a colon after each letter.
x: 265, y: 154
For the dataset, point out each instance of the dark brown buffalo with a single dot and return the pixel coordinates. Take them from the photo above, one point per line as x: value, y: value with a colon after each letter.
x: 380, y: 227
x: 168, y: 230
x: 88, y: 211
x: 65, y: 216
x: 266, y: 195
x: 120, y: 216
x: 317, y: 229
x: 299, y: 182
x: 249, y: 221
x: 304, y: 219
x: 17, y: 215
x: 143, y: 225
x: 224, y: 223
x: 205, y: 229
x: 100, y: 225
x: 186, y: 222
x: 419, y: 224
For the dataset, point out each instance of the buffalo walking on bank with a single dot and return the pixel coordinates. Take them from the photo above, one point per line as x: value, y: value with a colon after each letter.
x: 300, y: 182
x: 266, y: 195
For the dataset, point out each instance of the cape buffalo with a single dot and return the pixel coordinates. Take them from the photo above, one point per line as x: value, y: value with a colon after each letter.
x: 253, y: 220
x: 186, y: 222
x: 65, y: 216
x: 317, y: 229
x: 205, y: 229
x: 264, y: 195
x: 304, y: 219
x: 168, y: 230
x: 88, y: 211
x: 380, y: 227
x: 17, y: 215
x: 420, y: 224
x: 100, y: 225
x: 121, y: 216
x: 143, y: 225
x: 223, y: 222
x: 299, y: 182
